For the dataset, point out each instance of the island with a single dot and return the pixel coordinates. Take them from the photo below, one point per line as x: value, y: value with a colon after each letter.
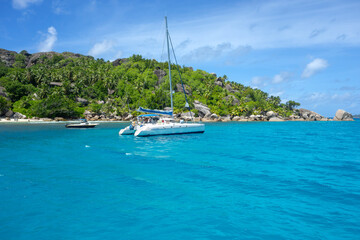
x: 51, y: 86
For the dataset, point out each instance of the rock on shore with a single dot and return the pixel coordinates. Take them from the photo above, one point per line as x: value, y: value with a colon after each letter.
x: 204, y: 114
x: 342, y: 115
x: 204, y: 110
x: 310, y: 115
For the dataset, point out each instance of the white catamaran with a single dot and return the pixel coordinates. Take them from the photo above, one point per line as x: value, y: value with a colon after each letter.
x: 157, y: 125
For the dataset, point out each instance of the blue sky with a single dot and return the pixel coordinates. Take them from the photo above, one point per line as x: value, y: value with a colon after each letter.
x: 307, y: 51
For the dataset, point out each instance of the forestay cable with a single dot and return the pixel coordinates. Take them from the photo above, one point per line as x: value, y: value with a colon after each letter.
x: 182, y: 84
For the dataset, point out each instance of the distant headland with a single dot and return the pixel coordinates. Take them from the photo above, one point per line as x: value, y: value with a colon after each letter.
x: 62, y: 86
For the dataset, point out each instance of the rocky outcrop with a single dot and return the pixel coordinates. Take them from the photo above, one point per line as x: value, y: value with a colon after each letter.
x: 204, y: 111
x: 2, y: 92
x: 160, y: 74
x: 219, y: 82
x: 42, y: 56
x: 230, y: 89
x: 73, y: 55
x: 111, y: 91
x: 309, y: 115
x: 119, y: 61
x: 83, y: 101
x: 7, y: 57
x: 243, y: 119
x: 214, y: 116
x: 342, y: 115
x: 276, y: 119
x: 187, y: 116
x: 9, y: 113
x: 128, y: 117
x: 57, y: 84
x: 234, y: 101
x: 236, y: 118
x: 257, y: 118
x: 179, y: 88
x: 271, y: 114
x: 225, y: 119
x: 19, y: 115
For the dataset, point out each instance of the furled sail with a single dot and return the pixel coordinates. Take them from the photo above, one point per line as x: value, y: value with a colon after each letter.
x: 155, y: 111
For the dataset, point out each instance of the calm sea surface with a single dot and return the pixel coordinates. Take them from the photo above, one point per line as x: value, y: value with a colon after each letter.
x: 288, y: 180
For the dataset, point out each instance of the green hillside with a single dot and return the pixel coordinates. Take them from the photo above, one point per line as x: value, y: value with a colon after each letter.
x: 67, y: 84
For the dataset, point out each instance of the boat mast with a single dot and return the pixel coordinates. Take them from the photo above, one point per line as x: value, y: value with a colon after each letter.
x: 168, y: 49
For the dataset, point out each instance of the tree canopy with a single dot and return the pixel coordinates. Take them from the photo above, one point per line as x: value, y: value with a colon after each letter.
x: 51, y: 87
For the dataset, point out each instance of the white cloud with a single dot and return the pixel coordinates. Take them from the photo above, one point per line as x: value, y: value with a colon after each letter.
x: 313, y: 67
x: 281, y: 77
x: 318, y: 96
x: 331, y: 101
x: 102, y: 47
x: 277, y: 94
x: 117, y: 55
x: 257, y: 82
x: 353, y: 105
x: 342, y: 97
x: 58, y: 7
x: 22, y: 4
x: 199, y: 38
x: 207, y: 53
x: 260, y: 82
x: 307, y: 24
x: 261, y: 25
x: 48, y: 43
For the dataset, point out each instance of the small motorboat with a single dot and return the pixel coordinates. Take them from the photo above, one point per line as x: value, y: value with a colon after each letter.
x: 83, y: 124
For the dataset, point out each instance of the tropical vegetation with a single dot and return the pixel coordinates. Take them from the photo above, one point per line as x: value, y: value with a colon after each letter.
x: 61, y: 85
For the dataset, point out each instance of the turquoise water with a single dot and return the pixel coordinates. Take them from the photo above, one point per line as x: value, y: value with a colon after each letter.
x: 288, y: 180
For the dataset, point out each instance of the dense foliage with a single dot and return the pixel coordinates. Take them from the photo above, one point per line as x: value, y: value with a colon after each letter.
x: 52, y: 86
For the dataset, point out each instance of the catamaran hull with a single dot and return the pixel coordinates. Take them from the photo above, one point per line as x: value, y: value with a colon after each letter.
x: 127, y: 131
x: 169, y: 129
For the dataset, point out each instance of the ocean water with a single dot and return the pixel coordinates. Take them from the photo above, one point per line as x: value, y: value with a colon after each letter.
x: 280, y: 180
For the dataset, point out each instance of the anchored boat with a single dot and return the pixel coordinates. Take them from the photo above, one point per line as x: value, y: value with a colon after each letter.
x: 83, y: 124
x: 164, y: 125
x: 167, y: 126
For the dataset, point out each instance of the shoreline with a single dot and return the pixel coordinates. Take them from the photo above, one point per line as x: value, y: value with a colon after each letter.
x: 32, y: 121
x: 302, y: 115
